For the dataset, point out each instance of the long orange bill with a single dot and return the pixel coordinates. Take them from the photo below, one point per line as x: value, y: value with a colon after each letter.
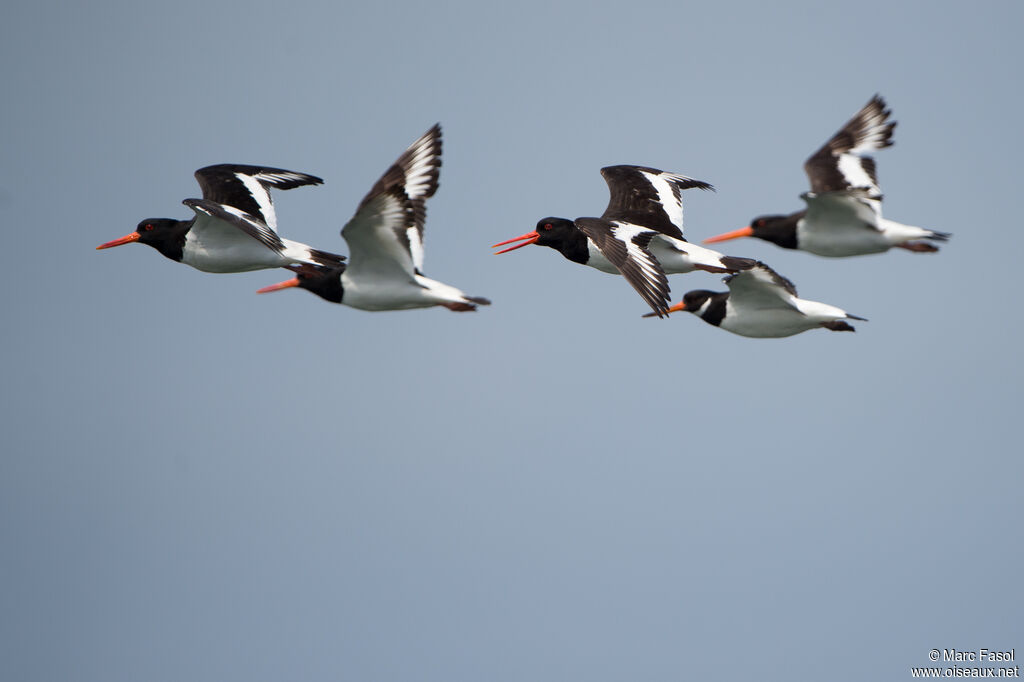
x: 530, y: 238
x: 127, y: 239
x: 677, y: 307
x: 287, y: 284
x: 674, y: 309
x: 742, y: 232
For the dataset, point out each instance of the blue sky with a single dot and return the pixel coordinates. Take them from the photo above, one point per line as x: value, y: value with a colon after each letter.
x: 201, y: 483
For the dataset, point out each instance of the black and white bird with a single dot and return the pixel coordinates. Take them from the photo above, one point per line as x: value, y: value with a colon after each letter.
x: 761, y: 303
x: 385, y: 240
x: 235, y: 227
x: 844, y: 207
x: 639, y: 235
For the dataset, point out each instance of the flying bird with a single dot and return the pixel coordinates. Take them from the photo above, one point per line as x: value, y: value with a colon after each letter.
x: 235, y: 227
x: 639, y: 235
x: 385, y: 240
x: 761, y: 303
x: 844, y: 207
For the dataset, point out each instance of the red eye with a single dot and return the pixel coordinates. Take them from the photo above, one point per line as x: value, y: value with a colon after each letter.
x: 547, y: 226
x: 148, y: 226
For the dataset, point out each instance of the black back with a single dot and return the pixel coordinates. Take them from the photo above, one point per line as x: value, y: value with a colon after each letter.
x: 221, y: 184
x: 635, y: 200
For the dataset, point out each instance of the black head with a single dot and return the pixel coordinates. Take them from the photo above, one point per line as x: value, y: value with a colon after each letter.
x: 778, y: 229
x: 695, y: 300
x: 322, y: 281
x: 154, y: 230
x: 550, y: 232
x: 554, y: 232
x: 166, y: 235
x: 559, y: 234
x: 708, y: 305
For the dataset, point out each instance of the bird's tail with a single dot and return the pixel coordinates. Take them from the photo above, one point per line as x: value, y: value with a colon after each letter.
x: 735, y: 263
x: 325, y: 258
x: 837, y: 326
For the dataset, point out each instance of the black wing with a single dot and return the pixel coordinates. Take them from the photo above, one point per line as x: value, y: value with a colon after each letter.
x: 248, y: 187
x: 841, y: 163
x: 625, y: 247
x: 648, y: 197
x: 249, y: 224
x: 398, y: 200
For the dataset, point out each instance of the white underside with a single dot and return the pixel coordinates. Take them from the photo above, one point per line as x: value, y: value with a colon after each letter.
x: 678, y: 257
x: 598, y: 261
x: 854, y: 238
x: 778, y: 321
x: 838, y: 226
x: 397, y: 294
x: 215, y: 246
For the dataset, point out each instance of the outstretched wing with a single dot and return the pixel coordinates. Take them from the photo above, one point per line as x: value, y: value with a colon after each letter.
x: 648, y: 197
x: 842, y: 162
x: 625, y: 245
x: 248, y: 187
x: 760, y: 287
x: 234, y: 217
x: 386, y: 233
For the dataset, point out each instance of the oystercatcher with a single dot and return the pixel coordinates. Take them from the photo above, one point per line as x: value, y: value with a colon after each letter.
x: 762, y: 303
x: 844, y: 207
x: 234, y: 229
x: 639, y: 235
x: 385, y: 239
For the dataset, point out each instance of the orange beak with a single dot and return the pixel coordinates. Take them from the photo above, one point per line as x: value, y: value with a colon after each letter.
x: 287, y: 284
x: 674, y: 309
x: 742, y: 232
x: 127, y: 239
x: 530, y: 237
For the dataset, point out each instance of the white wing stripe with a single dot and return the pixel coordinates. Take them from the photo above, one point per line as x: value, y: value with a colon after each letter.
x: 852, y: 168
x: 625, y: 233
x: 672, y: 206
x: 261, y: 196
x: 872, y: 136
x: 417, y: 180
x: 415, y: 247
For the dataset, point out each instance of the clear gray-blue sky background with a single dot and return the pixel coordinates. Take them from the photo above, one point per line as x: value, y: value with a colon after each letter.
x: 199, y: 483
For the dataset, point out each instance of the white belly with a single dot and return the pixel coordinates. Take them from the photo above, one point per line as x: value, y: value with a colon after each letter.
x: 770, y: 323
x: 678, y: 257
x: 397, y: 294
x: 228, y: 250
x: 597, y: 260
x: 848, y: 238
x: 778, y: 320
